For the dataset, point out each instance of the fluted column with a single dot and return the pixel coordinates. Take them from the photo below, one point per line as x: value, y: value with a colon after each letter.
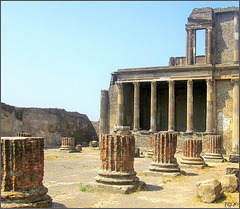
x: 153, y: 124
x: 209, y: 121
x: 120, y: 104
x: 236, y: 38
x: 234, y: 157
x: 213, y: 148
x: 209, y: 46
x: 171, y: 108
x: 164, y: 147
x: 22, y: 172
x: 136, y: 112
x: 191, y: 153
x: 189, y: 106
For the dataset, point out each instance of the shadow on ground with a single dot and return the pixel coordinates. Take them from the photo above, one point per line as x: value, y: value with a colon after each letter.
x: 57, y: 205
x: 153, y: 187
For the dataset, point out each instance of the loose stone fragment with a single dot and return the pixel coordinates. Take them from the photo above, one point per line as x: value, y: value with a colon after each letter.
x: 233, y: 170
x: 229, y: 183
x: 22, y: 169
x: 209, y: 190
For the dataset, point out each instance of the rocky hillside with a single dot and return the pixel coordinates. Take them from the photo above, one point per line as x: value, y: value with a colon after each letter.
x: 50, y: 123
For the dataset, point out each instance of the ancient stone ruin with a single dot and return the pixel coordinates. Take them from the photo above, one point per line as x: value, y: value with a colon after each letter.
x: 117, y: 169
x: 22, y: 170
x: 20, y: 134
x: 192, y: 149
x: 163, y: 160
x: 213, y: 149
x: 68, y: 144
x: 194, y: 95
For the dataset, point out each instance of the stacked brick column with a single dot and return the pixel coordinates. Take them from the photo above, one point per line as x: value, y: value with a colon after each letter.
x: 22, y: 170
x: 68, y: 143
x: 192, y: 149
x: 213, y: 148
x: 164, y: 148
x: 117, y: 156
x: 150, y: 151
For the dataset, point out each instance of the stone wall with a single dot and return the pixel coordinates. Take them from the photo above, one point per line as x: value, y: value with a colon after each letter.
x: 224, y: 36
x: 95, y: 125
x: 52, y: 124
x: 224, y: 113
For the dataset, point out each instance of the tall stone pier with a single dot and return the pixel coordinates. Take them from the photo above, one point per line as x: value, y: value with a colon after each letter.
x: 163, y: 160
x: 68, y: 144
x: 192, y: 149
x: 22, y: 170
x: 213, y: 149
x: 117, y: 168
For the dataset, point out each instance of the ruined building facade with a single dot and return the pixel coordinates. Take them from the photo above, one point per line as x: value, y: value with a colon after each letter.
x: 194, y: 96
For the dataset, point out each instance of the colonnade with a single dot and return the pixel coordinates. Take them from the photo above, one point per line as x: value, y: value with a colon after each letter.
x: 210, y: 83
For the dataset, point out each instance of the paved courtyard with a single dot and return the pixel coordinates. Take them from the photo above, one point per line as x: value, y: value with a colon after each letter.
x: 64, y: 172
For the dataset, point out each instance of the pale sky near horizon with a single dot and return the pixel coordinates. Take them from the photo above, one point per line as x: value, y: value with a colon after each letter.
x: 61, y: 54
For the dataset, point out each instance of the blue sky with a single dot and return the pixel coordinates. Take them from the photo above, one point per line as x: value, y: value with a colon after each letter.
x: 61, y: 54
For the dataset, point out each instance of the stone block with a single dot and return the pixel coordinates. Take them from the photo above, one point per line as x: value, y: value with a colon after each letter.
x: 137, y: 152
x: 93, y: 144
x: 229, y: 183
x: 233, y: 170
x: 209, y: 190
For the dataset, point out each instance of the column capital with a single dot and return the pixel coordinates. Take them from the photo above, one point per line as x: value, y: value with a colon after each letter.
x: 171, y: 83
x: 235, y: 81
x: 190, y: 82
x: 136, y: 84
x: 119, y: 85
x: 209, y: 81
x: 153, y: 83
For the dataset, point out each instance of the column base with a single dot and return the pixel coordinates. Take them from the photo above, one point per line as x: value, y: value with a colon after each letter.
x: 34, y: 198
x: 170, y: 130
x: 213, y: 157
x: 190, y: 162
x: 166, y: 168
x: 189, y: 131
x: 234, y: 158
x: 120, y: 189
x: 208, y: 132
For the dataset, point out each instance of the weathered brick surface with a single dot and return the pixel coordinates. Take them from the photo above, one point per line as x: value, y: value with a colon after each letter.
x: 117, y: 152
x: 22, y: 170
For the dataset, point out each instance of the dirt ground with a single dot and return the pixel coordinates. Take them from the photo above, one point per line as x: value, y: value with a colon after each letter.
x: 64, y: 172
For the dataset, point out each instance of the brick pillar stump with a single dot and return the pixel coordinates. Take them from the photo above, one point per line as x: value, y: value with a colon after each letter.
x: 150, y: 150
x: 22, y: 170
x: 68, y: 144
x: 163, y: 161
x: 192, y: 149
x: 117, y: 172
x: 213, y: 149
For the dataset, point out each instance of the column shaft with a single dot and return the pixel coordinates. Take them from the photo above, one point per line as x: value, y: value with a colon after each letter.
x: 189, y: 106
x: 209, y: 46
x: 153, y: 126
x: 136, y: 113
x: 120, y: 104
x: 190, y: 48
x: 103, y: 124
x: 194, y: 46
x: 235, y: 117
x: 236, y: 39
x: 171, y: 108
x: 209, y: 124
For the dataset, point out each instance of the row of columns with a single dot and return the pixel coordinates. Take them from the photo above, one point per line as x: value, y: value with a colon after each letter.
x: 171, y: 111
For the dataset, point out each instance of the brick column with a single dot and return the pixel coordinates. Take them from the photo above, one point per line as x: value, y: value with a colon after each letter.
x: 171, y: 108
x: 213, y: 149
x: 189, y: 106
x: 209, y: 121
x: 209, y: 45
x: 117, y: 167
x: 68, y: 143
x: 150, y: 150
x: 22, y: 170
x: 153, y: 126
x: 236, y: 38
x: 103, y: 124
x: 120, y: 104
x: 234, y: 157
x: 164, y: 148
x: 136, y: 113
x: 191, y: 153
